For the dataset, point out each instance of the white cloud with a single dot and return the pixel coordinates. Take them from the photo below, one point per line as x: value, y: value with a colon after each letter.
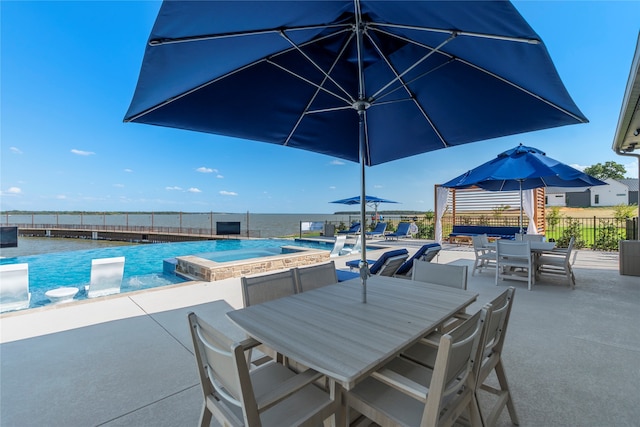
x: 176, y: 188
x: 118, y: 185
x: 336, y: 162
x: 228, y: 193
x: 377, y: 186
x: 579, y: 167
x: 61, y: 197
x: 203, y: 169
x: 219, y: 176
x: 332, y: 187
x: 82, y: 153
x: 11, y: 191
x: 15, y: 150
x: 128, y: 170
x: 194, y: 190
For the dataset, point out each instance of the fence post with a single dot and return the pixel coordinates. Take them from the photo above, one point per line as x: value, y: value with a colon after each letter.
x: 594, y: 233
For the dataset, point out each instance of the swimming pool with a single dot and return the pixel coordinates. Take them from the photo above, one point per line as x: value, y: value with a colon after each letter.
x: 143, y: 263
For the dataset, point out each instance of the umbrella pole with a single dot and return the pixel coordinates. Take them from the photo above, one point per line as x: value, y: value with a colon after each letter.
x: 520, y: 182
x: 364, y: 267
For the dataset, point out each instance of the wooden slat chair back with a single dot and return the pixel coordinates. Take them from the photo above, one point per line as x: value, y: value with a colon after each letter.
x: 270, y: 395
x: 490, y: 359
x: 406, y: 393
x: 315, y: 276
x: 511, y: 255
x: 454, y: 276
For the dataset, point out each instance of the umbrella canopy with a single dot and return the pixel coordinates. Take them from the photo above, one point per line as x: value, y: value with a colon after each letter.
x: 366, y: 81
x: 522, y: 168
x: 372, y: 201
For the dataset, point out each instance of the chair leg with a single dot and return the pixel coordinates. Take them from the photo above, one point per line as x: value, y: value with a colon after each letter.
x: 504, y: 385
x: 205, y: 417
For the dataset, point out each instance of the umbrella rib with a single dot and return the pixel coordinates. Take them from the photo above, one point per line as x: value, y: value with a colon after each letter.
x: 204, y: 37
x: 528, y: 92
x: 318, y: 88
x: 312, y: 62
x: 527, y: 40
x: 404, y: 84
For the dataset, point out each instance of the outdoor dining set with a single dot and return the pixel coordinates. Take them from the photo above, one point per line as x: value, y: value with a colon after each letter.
x: 311, y: 350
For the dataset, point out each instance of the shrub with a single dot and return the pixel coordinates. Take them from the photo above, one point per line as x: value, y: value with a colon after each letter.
x: 608, y: 236
x: 572, y: 229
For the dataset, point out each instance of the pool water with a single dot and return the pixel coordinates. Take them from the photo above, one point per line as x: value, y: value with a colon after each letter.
x: 143, y: 268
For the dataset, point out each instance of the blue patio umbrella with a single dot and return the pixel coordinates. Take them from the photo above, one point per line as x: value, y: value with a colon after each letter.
x: 366, y: 81
x: 522, y: 168
x: 372, y: 201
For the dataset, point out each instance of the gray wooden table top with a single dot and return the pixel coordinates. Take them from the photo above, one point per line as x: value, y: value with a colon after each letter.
x: 330, y: 330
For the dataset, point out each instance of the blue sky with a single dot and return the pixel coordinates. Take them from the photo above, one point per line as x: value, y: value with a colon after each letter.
x: 69, y: 69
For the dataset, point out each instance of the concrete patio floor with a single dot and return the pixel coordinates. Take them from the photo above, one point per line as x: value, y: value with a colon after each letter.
x: 571, y: 356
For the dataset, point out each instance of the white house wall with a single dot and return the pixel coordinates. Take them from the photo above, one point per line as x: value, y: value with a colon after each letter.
x: 613, y: 194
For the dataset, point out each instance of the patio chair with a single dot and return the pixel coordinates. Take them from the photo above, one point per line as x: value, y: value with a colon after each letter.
x: 489, y: 356
x: 106, y: 276
x: 401, y: 232
x: 485, y: 257
x: 338, y: 245
x: 270, y: 395
x: 406, y: 393
x: 426, y: 253
x: 381, y: 227
x: 315, y: 276
x: 386, y: 265
x: 263, y: 288
x: 354, y: 229
x: 558, y: 262
x: 512, y: 255
x: 454, y: 276
x: 14, y: 287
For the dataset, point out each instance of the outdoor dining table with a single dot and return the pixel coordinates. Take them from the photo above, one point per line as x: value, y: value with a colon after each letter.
x: 332, y: 331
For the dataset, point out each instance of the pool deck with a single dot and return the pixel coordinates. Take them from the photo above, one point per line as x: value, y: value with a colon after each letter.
x: 571, y: 356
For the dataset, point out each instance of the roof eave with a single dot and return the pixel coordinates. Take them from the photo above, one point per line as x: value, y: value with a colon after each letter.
x: 627, y: 137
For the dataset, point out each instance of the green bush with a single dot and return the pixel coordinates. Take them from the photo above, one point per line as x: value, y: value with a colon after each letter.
x: 608, y: 236
x: 573, y: 228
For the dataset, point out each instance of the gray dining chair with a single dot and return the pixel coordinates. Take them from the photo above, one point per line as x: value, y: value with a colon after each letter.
x: 315, y: 276
x: 558, y: 261
x: 512, y: 258
x: 406, y: 393
x: 485, y: 257
x: 270, y: 395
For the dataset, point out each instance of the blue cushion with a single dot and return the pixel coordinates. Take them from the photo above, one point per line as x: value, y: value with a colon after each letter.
x: 408, y: 264
x: 354, y: 263
x: 374, y: 266
x: 346, y: 275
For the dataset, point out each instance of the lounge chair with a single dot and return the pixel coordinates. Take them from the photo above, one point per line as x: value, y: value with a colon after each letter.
x: 381, y: 227
x: 106, y: 276
x: 401, y: 232
x: 14, y: 287
x: 386, y: 265
x: 354, y: 229
x: 425, y: 253
x: 355, y: 249
x: 338, y: 245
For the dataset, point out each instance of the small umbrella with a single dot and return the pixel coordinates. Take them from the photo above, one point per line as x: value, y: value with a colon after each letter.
x: 372, y: 201
x: 366, y: 81
x: 522, y: 168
